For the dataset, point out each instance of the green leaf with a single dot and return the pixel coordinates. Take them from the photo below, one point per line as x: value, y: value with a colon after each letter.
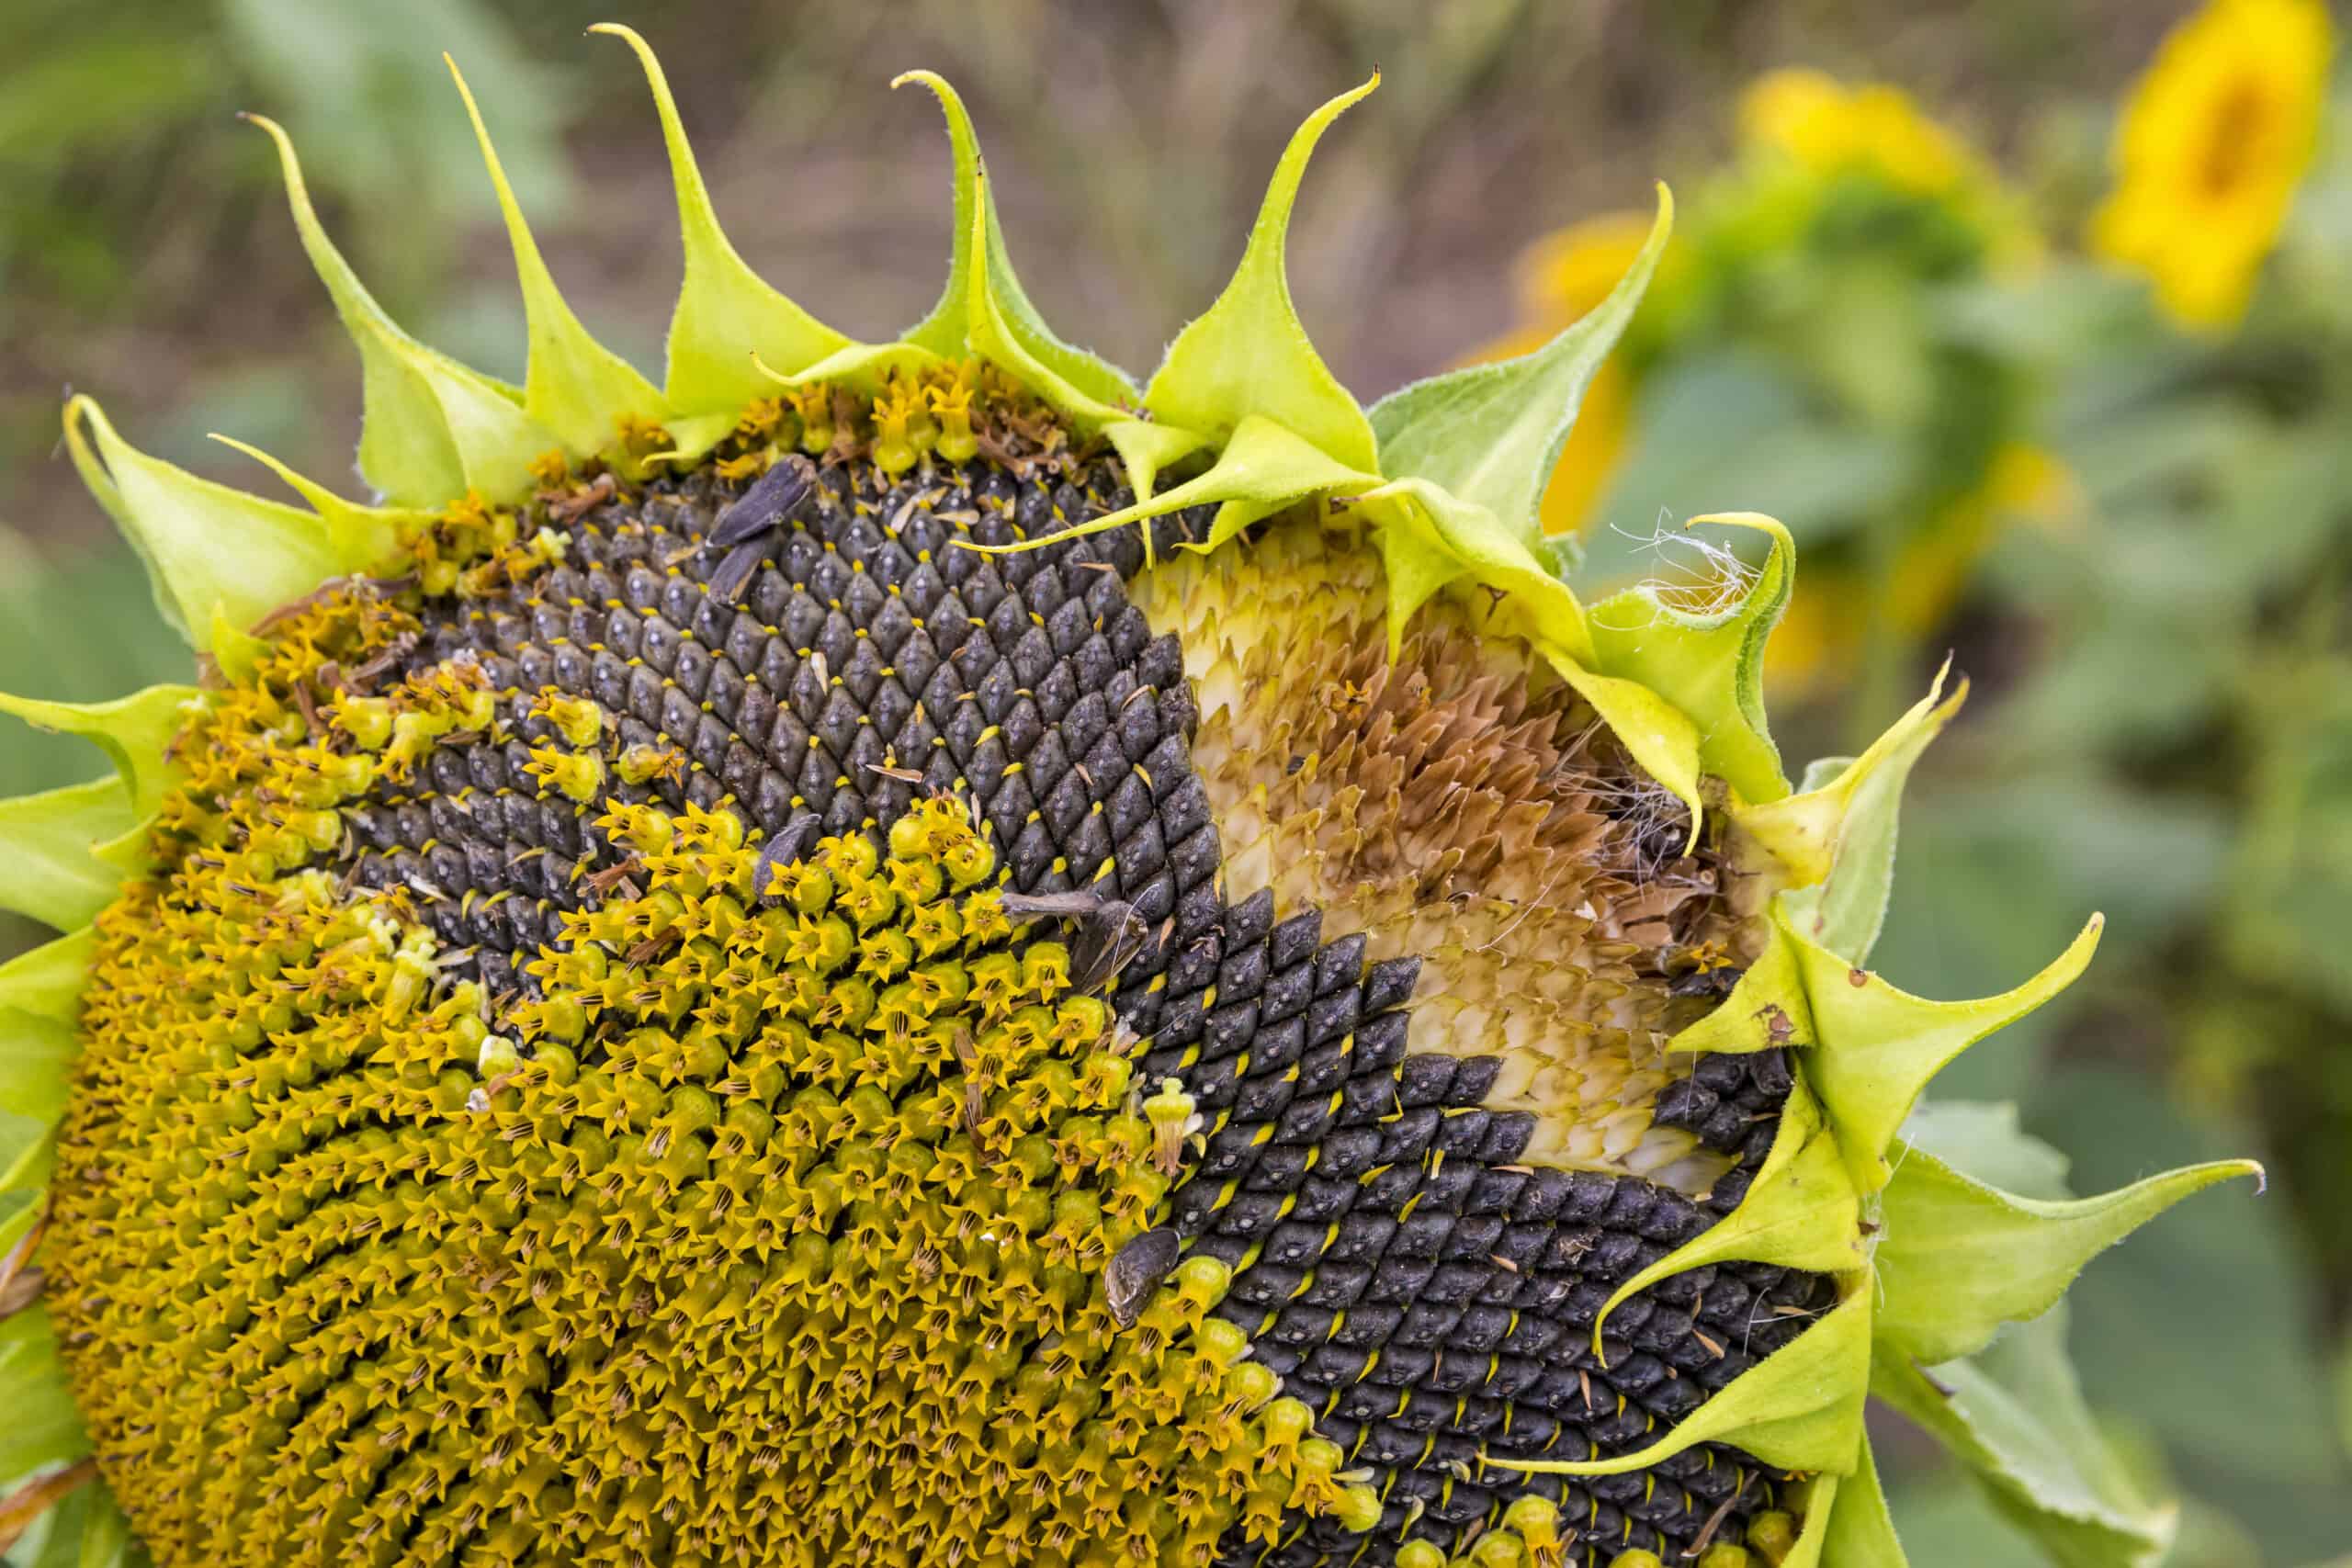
x: 1957, y: 1258
x: 1986, y: 1142
x: 42, y: 1427
x: 1249, y: 357
x: 47, y: 842
x: 2016, y: 1417
x: 2243, y: 1414
x: 1801, y: 1211
x: 133, y: 731
x: 433, y: 429
x: 1710, y: 666
x: 1836, y: 842
x: 86, y: 1528
x: 1492, y: 433
x: 1877, y: 1046
x: 1800, y: 1408
x: 208, y: 546
x: 573, y: 384
x: 726, y: 313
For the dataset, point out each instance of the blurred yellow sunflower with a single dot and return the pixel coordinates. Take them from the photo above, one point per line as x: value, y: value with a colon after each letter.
x: 1828, y: 127
x: 2213, y: 143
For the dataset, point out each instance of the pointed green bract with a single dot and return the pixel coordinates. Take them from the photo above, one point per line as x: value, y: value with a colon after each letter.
x: 1766, y: 1009
x: 980, y: 267
x: 27, y: 1150
x: 1710, y: 666
x: 1248, y: 355
x: 865, y: 367
x: 206, y: 545
x: 364, y: 536
x: 1800, y: 1408
x: 49, y: 842
x: 1264, y: 468
x: 42, y: 1427
x: 46, y: 981
x: 1856, y: 1531
x: 1877, y: 1046
x: 1468, y: 542
x: 1836, y: 841
x: 1960, y: 1258
x: 572, y: 384
x: 35, y: 1053
x: 21, y: 1207
x: 726, y: 313
x: 1492, y: 433
x: 432, y: 428
x: 133, y: 732
x: 1820, y: 1500
x: 986, y: 312
x: 41, y: 995
x: 1144, y: 448
x: 1801, y: 1211
x: 1660, y: 736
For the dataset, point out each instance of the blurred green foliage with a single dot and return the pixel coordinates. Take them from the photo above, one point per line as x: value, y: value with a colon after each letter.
x: 97, y: 150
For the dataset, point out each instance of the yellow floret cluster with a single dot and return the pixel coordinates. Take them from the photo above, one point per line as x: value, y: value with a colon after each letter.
x: 769, y: 1225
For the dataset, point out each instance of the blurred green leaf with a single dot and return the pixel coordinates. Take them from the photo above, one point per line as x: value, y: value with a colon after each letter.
x: 338, y: 77
x: 2291, y: 900
x: 2202, y: 1331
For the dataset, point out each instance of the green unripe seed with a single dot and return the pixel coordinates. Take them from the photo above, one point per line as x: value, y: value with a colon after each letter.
x: 1773, y: 1534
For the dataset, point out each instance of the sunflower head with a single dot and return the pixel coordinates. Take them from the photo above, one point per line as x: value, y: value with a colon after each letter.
x: 2213, y: 143
x: 914, y: 953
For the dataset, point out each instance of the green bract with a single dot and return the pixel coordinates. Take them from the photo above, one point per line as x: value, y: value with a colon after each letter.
x: 1932, y: 1262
